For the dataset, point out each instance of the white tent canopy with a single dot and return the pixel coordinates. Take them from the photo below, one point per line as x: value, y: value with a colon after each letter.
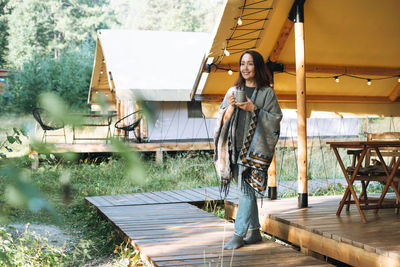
x: 152, y: 65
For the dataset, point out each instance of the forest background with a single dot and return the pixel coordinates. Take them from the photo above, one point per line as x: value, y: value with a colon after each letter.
x: 49, y: 45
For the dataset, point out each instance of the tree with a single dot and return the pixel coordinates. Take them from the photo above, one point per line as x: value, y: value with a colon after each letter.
x: 3, y: 32
x: 49, y: 26
x: 172, y: 15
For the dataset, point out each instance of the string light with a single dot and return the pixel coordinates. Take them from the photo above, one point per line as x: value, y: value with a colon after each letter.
x: 336, y: 77
x: 230, y: 72
x: 226, y: 52
x: 259, y: 8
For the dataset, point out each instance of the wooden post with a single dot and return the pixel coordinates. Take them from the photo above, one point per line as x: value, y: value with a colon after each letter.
x: 34, y: 156
x: 159, y: 156
x: 297, y: 14
x: 272, y: 192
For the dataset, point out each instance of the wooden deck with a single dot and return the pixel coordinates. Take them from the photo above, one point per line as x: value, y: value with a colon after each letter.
x: 141, y: 147
x: 345, y: 238
x: 176, y: 233
x: 194, y: 195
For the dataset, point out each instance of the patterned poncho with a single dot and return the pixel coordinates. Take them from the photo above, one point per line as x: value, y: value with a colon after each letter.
x: 261, y: 135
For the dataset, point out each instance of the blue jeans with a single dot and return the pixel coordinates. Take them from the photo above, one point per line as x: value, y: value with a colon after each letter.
x: 247, y: 214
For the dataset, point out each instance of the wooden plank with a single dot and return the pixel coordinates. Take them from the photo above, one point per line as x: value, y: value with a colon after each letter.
x: 208, y: 194
x: 165, y: 197
x: 344, y: 238
x: 102, y: 147
x: 183, y: 235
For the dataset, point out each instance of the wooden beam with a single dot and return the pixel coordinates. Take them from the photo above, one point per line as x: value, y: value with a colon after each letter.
x: 301, y: 111
x: 324, y: 69
x: 280, y: 44
x: 139, y: 147
x: 286, y: 98
x: 394, y: 95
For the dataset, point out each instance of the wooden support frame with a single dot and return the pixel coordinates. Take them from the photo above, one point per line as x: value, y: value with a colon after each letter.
x: 322, y: 69
x: 394, y: 95
x: 284, y: 98
x: 280, y: 44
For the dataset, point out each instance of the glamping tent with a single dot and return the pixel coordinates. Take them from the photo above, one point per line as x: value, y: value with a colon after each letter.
x: 352, y: 54
x: 335, y: 56
x: 156, y: 67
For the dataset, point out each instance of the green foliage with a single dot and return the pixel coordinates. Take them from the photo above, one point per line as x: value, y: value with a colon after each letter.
x: 128, y: 256
x: 44, y: 27
x: 215, y: 208
x: 3, y: 33
x: 173, y: 15
x: 68, y: 77
x: 28, y: 249
x: 10, y: 140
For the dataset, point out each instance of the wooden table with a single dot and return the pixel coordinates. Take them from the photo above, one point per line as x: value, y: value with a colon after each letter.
x: 105, y: 121
x: 366, y: 146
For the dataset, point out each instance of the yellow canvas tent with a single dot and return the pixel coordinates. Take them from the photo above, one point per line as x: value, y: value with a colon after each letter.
x: 347, y: 43
x: 335, y: 56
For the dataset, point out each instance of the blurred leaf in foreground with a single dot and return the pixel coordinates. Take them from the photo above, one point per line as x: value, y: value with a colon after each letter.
x: 134, y: 170
x: 20, y: 192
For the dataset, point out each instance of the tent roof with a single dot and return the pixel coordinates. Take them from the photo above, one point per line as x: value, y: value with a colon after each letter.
x: 359, y: 38
x: 156, y: 66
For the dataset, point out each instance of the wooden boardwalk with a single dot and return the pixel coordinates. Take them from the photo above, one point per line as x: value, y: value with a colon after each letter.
x: 194, y: 195
x: 177, y: 233
x: 345, y: 238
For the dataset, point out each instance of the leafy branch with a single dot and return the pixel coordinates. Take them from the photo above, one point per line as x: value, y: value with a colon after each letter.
x: 12, y: 139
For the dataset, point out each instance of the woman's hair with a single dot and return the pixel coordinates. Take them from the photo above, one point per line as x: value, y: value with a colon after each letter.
x: 261, y: 76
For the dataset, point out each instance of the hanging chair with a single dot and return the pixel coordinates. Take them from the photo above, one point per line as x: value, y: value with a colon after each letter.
x: 129, y: 124
x: 48, y: 123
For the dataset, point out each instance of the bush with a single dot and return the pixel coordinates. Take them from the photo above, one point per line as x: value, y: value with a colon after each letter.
x: 68, y: 76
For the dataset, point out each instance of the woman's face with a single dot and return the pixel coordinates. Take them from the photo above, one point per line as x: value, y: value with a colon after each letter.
x: 247, y: 67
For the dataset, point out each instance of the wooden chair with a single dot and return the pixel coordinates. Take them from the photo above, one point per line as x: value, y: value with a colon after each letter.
x: 48, y: 123
x: 372, y: 169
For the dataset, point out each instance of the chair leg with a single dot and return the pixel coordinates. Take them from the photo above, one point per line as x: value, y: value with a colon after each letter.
x: 363, y: 195
x: 44, y: 136
x: 348, y: 203
x: 65, y: 136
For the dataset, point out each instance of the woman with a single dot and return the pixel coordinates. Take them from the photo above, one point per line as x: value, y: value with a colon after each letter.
x: 245, y: 138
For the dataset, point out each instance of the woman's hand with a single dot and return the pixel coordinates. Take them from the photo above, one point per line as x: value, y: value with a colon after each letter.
x: 231, y: 108
x: 232, y: 100
x: 247, y: 106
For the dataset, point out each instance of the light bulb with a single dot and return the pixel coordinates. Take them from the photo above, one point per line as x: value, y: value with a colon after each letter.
x: 398, y: 80
x: 240, y: 22
x: 101, y: 72
x: 369, y: 82
x: 230, y: 72
x: 337, y: 79
x: 226, y: 52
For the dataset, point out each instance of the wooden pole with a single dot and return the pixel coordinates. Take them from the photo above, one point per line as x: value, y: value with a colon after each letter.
x: 298, y: 7
x: 272, y: 192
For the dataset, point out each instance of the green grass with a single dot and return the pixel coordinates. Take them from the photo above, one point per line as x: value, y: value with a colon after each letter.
x: 106, y: 177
